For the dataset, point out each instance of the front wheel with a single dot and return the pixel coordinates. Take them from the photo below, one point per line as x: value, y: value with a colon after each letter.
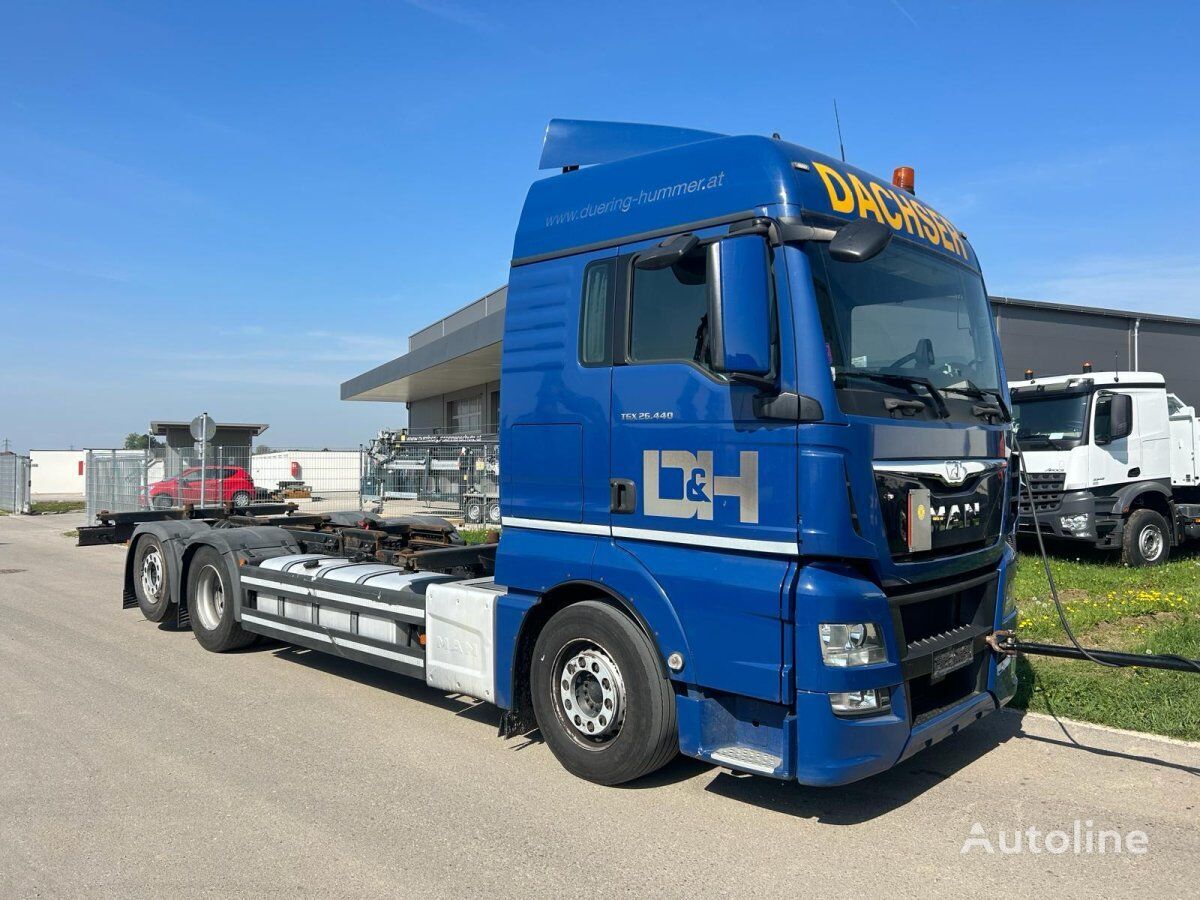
x: 210, y: 604
x: 163, y: 501
x: 1147, y: 539
x: 603, y: 703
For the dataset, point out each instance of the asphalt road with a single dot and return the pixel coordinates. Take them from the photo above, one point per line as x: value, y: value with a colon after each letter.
x: 133, y: 763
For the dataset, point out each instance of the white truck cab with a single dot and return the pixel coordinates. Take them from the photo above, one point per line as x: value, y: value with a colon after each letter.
x: 1110, y: 459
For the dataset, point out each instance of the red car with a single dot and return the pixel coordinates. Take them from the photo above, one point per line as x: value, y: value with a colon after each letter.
x: 223, y: 484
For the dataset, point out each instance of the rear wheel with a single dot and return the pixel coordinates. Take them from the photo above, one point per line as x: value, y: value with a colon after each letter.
x: 603, y: 704
x: 1147, y: 539
x: 210, y: 604
x: 151, y: 582
x: 163, y: 501
x: 241, y: 499
x: 493, y: 512
x: 473, y: 512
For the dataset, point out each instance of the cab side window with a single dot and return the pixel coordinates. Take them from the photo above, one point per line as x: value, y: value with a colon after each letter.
x: 595, y: 316
x: 668, y: 315
x: 1103, y: 419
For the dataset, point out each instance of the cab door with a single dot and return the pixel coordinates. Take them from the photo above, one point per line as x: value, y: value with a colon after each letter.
x: 703, y: 491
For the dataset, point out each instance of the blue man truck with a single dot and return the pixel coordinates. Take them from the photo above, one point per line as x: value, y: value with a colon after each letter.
x: 756, y: 485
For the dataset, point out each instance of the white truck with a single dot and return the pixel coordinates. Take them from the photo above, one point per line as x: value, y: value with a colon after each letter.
x: 1111, y: 459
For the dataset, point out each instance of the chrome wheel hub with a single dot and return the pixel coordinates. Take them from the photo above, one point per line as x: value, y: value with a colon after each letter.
x: 591, y: 692
x: 152, y: 573
x: 210, y: 599
x: 1150, y: 542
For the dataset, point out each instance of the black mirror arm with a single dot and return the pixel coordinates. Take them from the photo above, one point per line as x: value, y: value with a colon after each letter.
x: 788, y: 407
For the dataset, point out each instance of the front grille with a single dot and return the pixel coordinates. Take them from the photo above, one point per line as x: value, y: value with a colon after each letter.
x: 928, y: 698
x: 929, y: 620
x: 1047, y: 490
x: 958, y: 519
x: 932, y: 613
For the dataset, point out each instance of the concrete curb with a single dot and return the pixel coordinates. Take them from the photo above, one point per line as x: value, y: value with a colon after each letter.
x: 1060, y: 721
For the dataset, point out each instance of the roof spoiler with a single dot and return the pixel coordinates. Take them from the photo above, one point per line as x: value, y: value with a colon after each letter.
x: 571, y: 143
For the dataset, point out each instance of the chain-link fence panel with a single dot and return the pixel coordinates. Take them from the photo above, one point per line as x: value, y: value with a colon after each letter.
x: 14, y: 483
x: 452, y: 475
x: 455, y: 476
x: 115, y: 480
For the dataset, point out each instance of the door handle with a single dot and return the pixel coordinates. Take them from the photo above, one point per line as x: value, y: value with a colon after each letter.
x: 622, y: 495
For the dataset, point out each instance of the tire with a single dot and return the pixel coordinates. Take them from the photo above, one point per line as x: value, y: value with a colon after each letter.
x: 241, y: 499
x: 1147, y: 539
x: 493, y: 513
x: 210, y: 604
x: 473, y: 511
x: 621, y: 680
x: 163, y: 501
x: 152, y: 580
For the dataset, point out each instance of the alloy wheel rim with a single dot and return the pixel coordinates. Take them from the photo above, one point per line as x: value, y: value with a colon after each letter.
x: 152, y: 573
x: 210, y: 598
x: 590, y: 692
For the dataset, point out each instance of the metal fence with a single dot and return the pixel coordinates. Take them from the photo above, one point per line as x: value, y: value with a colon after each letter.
x: 451, y: 476
x: 14, y: 483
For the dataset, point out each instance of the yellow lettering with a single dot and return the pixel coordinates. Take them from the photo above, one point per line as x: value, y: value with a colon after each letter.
x: 896, y: 221
x: 911, y: 223
x: 865, y: 203
x: 841, y: 200
x: 931, y: 232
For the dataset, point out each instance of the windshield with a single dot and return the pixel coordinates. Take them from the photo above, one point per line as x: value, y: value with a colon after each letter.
x: 907, y: 313
x: 1057, y: 423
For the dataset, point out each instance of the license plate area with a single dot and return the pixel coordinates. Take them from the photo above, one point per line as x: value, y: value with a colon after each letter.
x: 951, y: 659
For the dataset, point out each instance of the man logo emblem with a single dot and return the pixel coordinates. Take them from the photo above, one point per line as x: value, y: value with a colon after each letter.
x: 700, y: 487
x: 955, y: 472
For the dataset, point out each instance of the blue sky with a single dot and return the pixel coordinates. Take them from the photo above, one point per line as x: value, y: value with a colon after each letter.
x: 237, y: 206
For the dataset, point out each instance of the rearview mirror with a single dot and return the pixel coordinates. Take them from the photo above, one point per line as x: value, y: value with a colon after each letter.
x: 741, y: 305
x: 859, y: 241
x: 1114, y: 417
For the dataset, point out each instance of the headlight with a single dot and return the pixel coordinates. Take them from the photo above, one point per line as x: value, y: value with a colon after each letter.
x: 851, y: 644
x: 1077, y: 522
x: 861, y: 703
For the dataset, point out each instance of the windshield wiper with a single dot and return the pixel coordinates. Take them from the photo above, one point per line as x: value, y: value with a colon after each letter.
x: 973, y: 390
x: 907, y: 381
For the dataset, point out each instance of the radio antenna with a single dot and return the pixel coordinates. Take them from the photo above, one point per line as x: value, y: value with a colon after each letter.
x: 838, y: 119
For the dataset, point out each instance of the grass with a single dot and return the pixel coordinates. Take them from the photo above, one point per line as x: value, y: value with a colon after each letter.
x: 1110, y: 606
x: 475, y: 535
x: 53, y: 507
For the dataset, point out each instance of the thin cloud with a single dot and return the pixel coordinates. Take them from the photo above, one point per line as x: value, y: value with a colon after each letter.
x: 452, y: 12
x: 1168, y: 285
x: 904, y: 12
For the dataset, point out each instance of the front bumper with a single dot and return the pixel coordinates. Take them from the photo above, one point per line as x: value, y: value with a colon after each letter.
x: 1081, y: 516
x: 808, y: 742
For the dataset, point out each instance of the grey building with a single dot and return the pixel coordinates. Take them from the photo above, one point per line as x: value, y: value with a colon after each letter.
x: 1056, y: 338
x: 450, y: 376
x: 234, y: 439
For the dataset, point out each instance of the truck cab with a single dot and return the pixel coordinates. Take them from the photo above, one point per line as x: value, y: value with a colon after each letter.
x: 752, y: 402
x: 1110, y: 459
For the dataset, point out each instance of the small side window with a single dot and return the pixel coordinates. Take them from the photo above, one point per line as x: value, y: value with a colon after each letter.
x: 595, y: 317
x: 669, y: 312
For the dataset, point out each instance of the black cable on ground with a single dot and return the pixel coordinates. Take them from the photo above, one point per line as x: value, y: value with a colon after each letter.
x: 1022, y: 475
